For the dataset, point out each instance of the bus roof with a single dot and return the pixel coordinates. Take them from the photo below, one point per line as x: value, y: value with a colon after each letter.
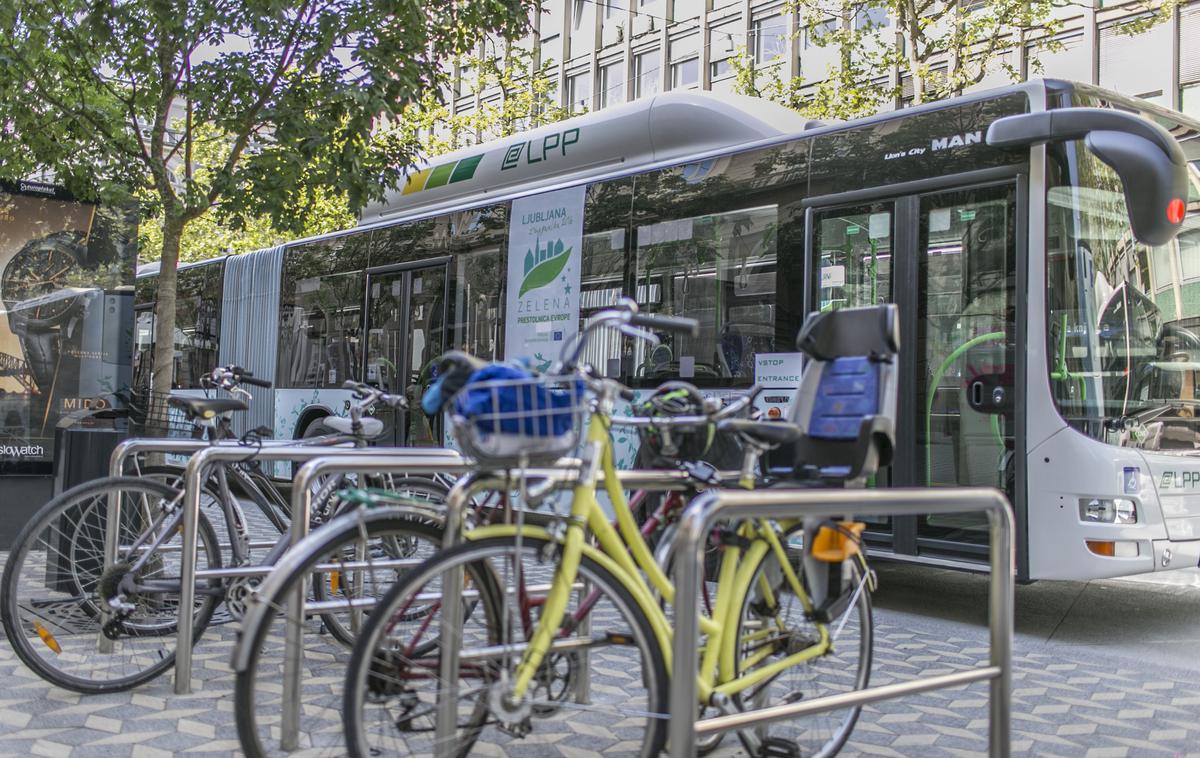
x: 663, y: 127
x: 151, y: 269
x: 626, y: 139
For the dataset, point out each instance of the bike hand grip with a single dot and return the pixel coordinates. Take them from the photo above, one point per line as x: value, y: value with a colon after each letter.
x: 248, y: 379
x: 679, y: 324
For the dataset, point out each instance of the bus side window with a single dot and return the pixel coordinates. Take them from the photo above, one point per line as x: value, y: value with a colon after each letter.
x: 606, y: 219
x: 706, y: 251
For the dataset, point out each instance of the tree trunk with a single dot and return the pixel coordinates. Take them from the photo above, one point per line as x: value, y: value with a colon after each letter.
x: 164, y: 319
x: 918, y: 81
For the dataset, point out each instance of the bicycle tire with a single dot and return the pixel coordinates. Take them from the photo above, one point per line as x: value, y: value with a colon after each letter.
x: 831, y: 676
x: 370, y: 668
x: 210, y: 501
x: 69, y: 531
x: 424, y: 490
x: 257, y: 633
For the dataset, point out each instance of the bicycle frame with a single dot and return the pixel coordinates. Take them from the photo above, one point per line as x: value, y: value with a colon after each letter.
x: 623, y: 550
x: 264, y: 496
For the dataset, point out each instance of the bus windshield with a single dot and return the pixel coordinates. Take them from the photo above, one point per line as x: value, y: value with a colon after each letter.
x: 1123, y: 318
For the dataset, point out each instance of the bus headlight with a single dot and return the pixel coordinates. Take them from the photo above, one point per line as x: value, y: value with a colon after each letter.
x: 1104, y: 511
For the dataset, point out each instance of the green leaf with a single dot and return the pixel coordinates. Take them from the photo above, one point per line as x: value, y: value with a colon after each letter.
x: 544, y: 273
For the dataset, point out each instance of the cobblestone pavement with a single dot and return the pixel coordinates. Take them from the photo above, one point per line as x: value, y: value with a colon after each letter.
x: 1092, y: 678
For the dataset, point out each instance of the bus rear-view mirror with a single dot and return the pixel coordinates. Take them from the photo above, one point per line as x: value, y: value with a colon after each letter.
x: 1150, y: 163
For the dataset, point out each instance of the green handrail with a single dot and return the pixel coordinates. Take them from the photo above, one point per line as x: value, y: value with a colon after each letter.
x: 1062, y: 373
x: 937, y: 378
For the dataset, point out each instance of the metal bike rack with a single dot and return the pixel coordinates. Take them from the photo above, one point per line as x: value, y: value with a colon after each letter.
x: 179, y: 446
x: 447, y: 714
x: 694, y: 528
x: 195, y: 474
x: 302, y: 508
x: 116, y: 467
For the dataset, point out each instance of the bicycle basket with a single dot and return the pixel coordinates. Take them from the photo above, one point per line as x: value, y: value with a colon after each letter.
x: 150, y: 415
x: 505, y: 418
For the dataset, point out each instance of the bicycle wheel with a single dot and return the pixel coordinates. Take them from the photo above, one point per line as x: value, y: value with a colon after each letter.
x: 334, y: 585
x: 210, y: 507
x: 393, y: 688
x: 54, y: 587
x: 368, y: 536
x: 785, y: 628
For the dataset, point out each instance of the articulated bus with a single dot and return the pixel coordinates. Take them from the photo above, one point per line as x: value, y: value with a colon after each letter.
x: 1045, y: 350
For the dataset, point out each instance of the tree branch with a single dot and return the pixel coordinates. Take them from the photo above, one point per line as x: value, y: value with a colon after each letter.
x: 286, y: 57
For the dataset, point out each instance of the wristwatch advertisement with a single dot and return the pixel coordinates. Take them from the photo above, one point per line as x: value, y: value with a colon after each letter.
x: 64, y: 267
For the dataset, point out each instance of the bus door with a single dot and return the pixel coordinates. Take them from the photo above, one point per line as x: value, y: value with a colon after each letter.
x: 406, y: 327
x: 948, y: 259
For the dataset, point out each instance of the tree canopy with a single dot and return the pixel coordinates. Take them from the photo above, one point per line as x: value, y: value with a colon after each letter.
x: 111, y: 97
x: 939, y: 48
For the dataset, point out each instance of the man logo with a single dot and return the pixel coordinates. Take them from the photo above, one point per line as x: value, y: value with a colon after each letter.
x: 958, y: 140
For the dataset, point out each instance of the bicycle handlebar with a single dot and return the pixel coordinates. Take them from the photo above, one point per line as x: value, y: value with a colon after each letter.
x: 625, y: 316
x: 714, y: 417
x: 739, y: 405
x: 370, y: 395
x: 677, y: 324
x: 230, y: 377
x: 248, y: 378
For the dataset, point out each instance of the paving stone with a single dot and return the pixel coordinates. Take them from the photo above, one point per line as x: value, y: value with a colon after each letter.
x: 1068, y: 701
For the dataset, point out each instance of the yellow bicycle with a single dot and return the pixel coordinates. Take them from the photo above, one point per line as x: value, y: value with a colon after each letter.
x: 536, y: 605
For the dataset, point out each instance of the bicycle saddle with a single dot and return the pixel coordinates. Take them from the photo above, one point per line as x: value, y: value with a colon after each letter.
x: 371, y: 427
x: 764, y: 434
x: 206, y: 407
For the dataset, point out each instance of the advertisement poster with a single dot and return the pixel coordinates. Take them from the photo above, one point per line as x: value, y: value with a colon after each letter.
x: 66, y: 296
x: 545, y: 235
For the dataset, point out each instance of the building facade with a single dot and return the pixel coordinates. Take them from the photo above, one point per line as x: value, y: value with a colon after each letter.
x: 605, y: 52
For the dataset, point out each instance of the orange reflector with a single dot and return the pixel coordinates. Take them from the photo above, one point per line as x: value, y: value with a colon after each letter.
x: 335, y: 580
x: 834, y: 545
x: 1176, y: 210
x: 1099, y: 547
x: 774, y: 412
x: 48, y: 638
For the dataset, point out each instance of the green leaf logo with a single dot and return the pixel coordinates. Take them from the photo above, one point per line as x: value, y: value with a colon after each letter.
x: 545, y: 272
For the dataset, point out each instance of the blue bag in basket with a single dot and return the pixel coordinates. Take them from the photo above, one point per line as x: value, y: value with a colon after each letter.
x: 518, y: 405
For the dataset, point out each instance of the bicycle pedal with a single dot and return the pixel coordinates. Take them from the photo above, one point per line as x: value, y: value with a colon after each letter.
x: 778, y: 747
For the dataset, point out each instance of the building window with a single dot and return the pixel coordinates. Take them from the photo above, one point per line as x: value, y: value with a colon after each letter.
x: 685, y: 61
x: 579, y: 92
x: 1189, y: 100
x: 646, y: 74
x: 612, y: 84
x: 466, y: 80
x: 874, y: 17
x: 685, y: 73
x: 723, y: 42
x: 550, y: 45
x: 770, y: 38
x: 815, y: 35
x: 614, y: 8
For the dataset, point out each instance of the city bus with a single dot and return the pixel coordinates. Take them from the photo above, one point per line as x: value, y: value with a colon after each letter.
x: 1046, y: 348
